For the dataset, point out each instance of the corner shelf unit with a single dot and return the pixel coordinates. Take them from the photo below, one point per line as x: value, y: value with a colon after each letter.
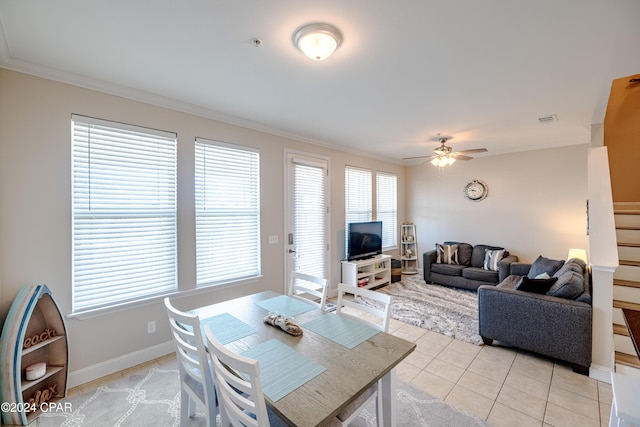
x: 409, y: 249
x: 367, y: 273
x: 33, y: 332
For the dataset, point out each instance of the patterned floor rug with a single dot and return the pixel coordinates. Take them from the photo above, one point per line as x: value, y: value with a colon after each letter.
x: 150, y: 397
x: 449, y: 311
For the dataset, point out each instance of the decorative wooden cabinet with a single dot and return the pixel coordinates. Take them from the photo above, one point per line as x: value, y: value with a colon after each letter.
x: 409, y: 250
x: 33, y: 333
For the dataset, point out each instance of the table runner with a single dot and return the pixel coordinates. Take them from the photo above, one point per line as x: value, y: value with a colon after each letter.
x: 226, y: 328
x: 286, y: 305
x: 282, y: 369
x: 341, y: 329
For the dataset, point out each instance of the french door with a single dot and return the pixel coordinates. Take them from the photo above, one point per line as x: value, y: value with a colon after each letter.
x: 307, y: 222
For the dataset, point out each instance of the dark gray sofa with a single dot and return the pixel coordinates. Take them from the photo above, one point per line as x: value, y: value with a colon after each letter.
x: 469, y: 272
x: 554, y: 326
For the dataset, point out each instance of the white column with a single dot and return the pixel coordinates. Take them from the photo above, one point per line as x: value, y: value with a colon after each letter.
x: 603, y: 256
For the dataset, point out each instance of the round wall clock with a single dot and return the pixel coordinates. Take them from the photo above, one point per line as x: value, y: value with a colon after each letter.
x: 476, y: 190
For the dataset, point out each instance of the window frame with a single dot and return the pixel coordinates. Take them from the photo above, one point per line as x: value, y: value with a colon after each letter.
x: 392, y: 209
x: 358, y: 180
x: 249, y: 272
x: 124, y: 180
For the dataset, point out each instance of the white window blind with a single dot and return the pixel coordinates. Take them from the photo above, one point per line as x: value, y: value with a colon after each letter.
x: 124, y: 213
x: 310, y: 218
x: 227, y: 212
x: 357, y: 205
x: 387, y: 208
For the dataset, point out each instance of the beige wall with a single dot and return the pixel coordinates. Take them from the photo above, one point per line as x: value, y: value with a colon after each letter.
x: 536, y: 202
x: 35, y: 205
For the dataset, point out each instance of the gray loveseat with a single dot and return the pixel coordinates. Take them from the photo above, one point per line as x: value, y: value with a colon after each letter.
x: 554, y: 322
x: 469, y: 272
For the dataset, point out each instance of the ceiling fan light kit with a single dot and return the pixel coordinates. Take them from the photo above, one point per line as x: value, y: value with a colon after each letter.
x: 318, y: 40
x: 443, y: 160
x: 445, y: 156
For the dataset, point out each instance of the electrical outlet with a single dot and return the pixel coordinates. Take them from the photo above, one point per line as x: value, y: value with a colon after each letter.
x: 151, y: 327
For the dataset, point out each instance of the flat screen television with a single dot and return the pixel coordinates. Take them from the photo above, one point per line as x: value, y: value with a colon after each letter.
x: 365, y: 240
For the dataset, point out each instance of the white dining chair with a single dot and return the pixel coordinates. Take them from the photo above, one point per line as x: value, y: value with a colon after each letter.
x: 308, y: 288
x: 237, y: 378
x: 377, y: 316
x: 196, y: 374
x: 374, y: 316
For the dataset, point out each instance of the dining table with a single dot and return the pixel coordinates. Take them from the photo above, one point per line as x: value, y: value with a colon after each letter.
x: 309, y: 379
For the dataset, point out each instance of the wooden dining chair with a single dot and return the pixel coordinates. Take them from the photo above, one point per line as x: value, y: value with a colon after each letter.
x: 196, y: 374
x: 308, y: 288
x: 377, y: 316
x: 237, y: 378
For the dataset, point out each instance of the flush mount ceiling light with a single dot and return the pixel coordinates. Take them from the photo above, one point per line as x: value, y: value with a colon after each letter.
x: 318, y: 41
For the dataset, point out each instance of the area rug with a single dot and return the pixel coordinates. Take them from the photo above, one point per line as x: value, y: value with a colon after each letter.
x: 449, y: 311
x: 151, y: 397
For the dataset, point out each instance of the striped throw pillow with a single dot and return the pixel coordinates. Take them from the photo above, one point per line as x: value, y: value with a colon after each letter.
x: 491, y: 259
x: 447, y: 254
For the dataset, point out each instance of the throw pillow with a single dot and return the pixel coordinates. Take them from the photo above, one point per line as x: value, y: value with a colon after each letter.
x: 537, y: 286
x: 491, y: 259
x: 542, y: 276
x: 447, y: 254
x: 573, y: 264
x: 570, y: 286
x: 544, y: 265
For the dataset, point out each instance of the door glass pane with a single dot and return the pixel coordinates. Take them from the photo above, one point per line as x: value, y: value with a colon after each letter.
x: 309, y: 219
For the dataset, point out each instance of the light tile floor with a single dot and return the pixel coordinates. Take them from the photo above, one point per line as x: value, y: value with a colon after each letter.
x: 503, y: 386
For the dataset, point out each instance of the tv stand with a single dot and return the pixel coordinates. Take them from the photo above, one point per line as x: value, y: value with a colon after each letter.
x: 367, y: 273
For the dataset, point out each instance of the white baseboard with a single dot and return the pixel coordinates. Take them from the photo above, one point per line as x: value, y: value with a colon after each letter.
x: 600, y: 373
x: 109, y: 367
x: 627, y: 370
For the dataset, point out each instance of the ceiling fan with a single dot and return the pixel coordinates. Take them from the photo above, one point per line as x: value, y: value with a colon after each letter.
x: 444, y: 155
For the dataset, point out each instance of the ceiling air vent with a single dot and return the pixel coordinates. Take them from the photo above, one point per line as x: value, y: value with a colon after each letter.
x: 548, y: 119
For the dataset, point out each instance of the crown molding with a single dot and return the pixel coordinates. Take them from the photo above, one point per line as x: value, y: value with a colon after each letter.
x: 160, y: 101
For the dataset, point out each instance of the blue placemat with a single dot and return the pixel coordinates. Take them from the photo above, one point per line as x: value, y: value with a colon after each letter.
x: 282, y: 369
x: 341, y: 329
x: 286, y: 305
x: 226, y: 328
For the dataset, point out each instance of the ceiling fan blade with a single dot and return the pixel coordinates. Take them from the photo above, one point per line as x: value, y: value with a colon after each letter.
x: 459, y: 157
x: 429, y: 158
x: 473, y: 151
x: 413, y: 158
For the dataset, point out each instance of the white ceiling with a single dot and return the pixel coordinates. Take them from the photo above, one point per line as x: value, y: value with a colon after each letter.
x: 480, y: 71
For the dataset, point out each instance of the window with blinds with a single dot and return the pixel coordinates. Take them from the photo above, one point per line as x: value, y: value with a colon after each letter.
x: 357, y: 204
x: 227, y: 195
x: 387, y: 208
x: 124, y: 213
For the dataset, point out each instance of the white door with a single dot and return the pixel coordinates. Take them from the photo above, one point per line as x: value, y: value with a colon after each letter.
x: 307, y: 239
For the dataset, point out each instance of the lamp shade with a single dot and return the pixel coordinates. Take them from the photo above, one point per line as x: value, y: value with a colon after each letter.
x: 577, y: 253
x: 317, y: 41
